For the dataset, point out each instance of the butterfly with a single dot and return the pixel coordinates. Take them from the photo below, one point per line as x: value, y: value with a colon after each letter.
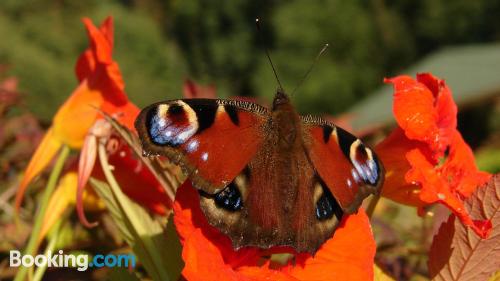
x: 266, y: 177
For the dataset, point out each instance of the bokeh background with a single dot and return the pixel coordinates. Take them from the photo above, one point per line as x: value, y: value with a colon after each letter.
x: 161, y: 43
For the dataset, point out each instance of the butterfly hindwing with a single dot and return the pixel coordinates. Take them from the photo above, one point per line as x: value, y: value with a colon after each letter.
x: 211, y: 139
x: 275, y: 202
x: 350, y: 169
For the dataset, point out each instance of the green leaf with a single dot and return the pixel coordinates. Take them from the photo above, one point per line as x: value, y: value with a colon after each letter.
x: 155, y: 246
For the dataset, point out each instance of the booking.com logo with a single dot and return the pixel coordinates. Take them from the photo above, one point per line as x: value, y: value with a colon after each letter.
x: 80, y: 261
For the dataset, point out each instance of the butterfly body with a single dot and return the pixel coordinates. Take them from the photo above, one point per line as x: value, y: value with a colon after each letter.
x: 266, y: 177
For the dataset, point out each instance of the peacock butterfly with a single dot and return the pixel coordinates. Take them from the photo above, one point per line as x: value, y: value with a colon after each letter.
x: 265, y: 177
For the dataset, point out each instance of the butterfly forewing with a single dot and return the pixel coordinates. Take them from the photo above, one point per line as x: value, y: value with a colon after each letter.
x: 212, y: 140
x: 350, y: 169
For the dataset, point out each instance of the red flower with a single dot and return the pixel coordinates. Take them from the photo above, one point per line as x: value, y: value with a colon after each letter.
x: 208, y: 254
x: 426, y: 159
x: 101, y: 87
x: 97, y: 66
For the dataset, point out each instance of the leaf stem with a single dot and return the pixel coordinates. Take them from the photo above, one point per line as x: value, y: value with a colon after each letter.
x: 32, y: 246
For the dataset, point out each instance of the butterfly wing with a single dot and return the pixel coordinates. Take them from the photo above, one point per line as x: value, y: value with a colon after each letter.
x: 350, y: 169
x: 212, y: 140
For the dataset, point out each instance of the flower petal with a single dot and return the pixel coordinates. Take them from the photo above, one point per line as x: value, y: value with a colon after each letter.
x: 445, y: 108
x: 461, y: 168
x: 426, y: 114
x: 435, y: 188
x: 86, y: 164
x: 43, y: 155
x: 392, y: 152
x: 348, y: 255
x: 63, y: 195
x: 414, y: 108
x: 204, y: 260
x: 77, y: 114
x: 99, y: 43
x: 425, y: 110
x: 96, y: 63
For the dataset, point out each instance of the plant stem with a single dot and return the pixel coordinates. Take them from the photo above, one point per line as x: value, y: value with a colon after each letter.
x: 32, y: 246
x: 371, y: 206
x: 50, y: 247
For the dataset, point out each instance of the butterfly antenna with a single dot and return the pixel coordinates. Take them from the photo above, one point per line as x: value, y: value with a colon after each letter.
x: 257, y: 23
x: 310, y: 68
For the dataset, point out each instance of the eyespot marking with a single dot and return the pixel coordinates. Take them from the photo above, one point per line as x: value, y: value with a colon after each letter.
x: 229, y: 198
x: 204, y: 110
x: 364, y: 162
x: 326, y: 205
x: 172, y: 124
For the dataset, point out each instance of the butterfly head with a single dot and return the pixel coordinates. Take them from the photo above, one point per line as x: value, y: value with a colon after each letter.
x: 280, y: 99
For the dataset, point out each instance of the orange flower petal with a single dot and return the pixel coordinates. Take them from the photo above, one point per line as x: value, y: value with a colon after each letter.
x: 392, y: 152
x: 63, y: 195
x: 263, y: 273
x: 99, y: 44
x: 107, y: 28
x: 445, y: 107
x: 348, y: 255
x: 436, y: 189
x: 77, y: 114
x: 414, y: 108
x: 44, y: 153
x: 86, y: 63
x: 96, y: 63
x: 425, y: 110
x: 461, y: 168
x: 208, y: 254
x: 204, y: 260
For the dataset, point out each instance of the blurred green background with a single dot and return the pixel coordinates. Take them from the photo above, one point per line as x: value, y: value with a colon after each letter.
x: 160, y: 43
